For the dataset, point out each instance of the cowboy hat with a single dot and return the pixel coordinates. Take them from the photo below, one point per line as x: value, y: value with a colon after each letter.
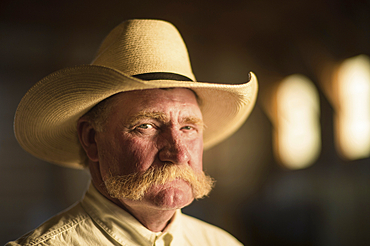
x: 136, y: 55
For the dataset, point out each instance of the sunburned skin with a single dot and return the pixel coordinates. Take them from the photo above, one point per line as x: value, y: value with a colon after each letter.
x: 145, y: 129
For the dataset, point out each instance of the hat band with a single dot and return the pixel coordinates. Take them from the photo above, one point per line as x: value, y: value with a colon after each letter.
x: 162, y: 76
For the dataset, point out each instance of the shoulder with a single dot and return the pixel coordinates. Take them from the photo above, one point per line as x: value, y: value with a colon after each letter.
x: 56, y: 229
x: 196, y: 229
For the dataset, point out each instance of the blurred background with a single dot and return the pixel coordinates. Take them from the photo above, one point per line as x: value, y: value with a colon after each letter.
x: 296, y: 173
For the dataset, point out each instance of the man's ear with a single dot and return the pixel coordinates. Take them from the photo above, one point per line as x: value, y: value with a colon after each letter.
x: 86, y: 135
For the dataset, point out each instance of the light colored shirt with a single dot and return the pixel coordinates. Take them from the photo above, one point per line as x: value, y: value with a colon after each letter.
x: 97, y: 221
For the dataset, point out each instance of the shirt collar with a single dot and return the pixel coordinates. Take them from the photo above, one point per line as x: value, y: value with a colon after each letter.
x: 122, y: 226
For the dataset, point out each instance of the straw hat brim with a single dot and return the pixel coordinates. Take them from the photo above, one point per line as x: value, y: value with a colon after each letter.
x: 46, y: 118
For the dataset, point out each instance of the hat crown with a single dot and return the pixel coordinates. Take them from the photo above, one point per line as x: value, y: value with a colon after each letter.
x: 145, y: 46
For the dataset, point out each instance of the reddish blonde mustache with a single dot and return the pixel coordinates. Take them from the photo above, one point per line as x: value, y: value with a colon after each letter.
x: 134, y: 186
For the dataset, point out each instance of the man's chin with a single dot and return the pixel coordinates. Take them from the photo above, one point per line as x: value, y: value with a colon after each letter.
x: 173, y: 196
x: 172, y: 201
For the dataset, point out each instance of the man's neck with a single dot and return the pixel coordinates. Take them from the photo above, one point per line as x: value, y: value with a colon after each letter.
x: 153, y: 219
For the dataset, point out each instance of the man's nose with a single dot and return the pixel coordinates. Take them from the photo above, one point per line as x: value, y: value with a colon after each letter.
x: 174, y: 149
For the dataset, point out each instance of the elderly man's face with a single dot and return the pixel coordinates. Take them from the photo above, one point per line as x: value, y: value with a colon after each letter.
x: 148, y: 129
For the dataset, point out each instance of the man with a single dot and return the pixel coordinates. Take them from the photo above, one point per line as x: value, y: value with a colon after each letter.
x: 138, y: 120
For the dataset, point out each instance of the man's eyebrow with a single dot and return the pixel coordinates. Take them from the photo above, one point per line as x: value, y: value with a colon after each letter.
x: 147, y: 115
x: 194, y: 120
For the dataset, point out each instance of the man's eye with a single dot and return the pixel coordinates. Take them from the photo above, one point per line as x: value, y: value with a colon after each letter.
x: 187, y: 127
x: 145, y: 126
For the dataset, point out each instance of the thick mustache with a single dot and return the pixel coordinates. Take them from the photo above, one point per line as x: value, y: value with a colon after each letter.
x: 133, y: 186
